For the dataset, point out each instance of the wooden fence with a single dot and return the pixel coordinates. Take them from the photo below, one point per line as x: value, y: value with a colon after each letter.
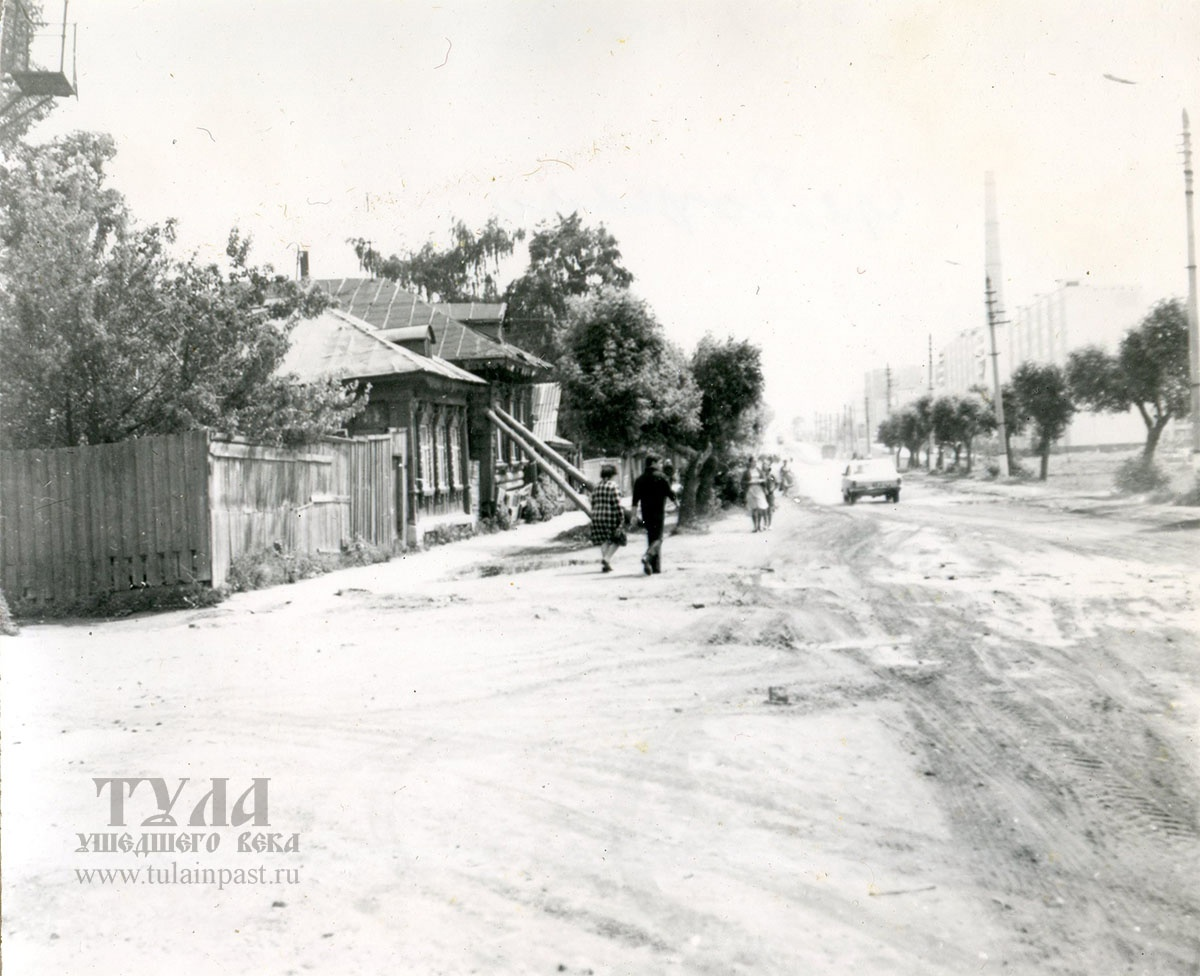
x: 180, y: 508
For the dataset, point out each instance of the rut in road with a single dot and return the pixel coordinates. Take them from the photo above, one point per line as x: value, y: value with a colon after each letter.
x: 1053, y: 753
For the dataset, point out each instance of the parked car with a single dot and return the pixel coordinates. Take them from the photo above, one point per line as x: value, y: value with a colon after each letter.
x: 873, y: 477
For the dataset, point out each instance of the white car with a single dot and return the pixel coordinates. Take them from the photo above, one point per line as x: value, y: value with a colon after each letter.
x: 871, y: 477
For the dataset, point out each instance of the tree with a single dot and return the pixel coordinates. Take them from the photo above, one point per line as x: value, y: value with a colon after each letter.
x: 944, y: 417
x: 891, y: 434
x: 914, y: 425
x: 728, y: 374
x: 1045, y: 398
x: 107, y: 336
x: 624, y: 385
x: 566, y: 259
x: 465, y: 271
x: 974, y: 415
x: 1149, y: 373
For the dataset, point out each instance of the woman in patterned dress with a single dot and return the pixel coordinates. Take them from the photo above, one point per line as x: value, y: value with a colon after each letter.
x: 607, y: 517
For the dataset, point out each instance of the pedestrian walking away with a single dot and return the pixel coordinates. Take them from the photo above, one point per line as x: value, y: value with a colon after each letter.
x: 608, y: 521
x: 787, y: 480
x: 651, y: 490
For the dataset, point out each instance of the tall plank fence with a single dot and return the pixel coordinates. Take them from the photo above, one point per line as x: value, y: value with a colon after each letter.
x: 76, y: 522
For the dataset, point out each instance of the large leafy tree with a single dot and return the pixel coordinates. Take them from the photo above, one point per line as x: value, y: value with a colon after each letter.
x: 107, y: 336
x: 567, y: 259
x: 1149, y: 373
x: 728, y: 374
x: 624, y: 385
x: 1044, y: 396
x: 467, y: 270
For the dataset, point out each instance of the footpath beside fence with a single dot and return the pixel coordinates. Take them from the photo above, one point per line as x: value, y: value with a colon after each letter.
x: 178, y: 509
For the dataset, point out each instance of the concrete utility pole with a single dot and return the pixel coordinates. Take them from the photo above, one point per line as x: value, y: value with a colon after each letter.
x: 990, y: 300
x: 929, y: 449
x: 1193, y: 326
x: 867, y: 415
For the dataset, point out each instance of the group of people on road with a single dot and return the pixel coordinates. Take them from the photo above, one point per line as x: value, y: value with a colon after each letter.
x: 651, y: 492
x: 761, y: 483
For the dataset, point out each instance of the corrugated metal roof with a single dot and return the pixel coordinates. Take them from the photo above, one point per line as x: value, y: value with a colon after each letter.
x: 471, y: 312
x: 334, y: 344
x: 384, y: 304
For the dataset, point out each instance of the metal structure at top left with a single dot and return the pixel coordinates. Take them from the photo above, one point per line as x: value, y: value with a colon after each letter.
x: 36, y: 54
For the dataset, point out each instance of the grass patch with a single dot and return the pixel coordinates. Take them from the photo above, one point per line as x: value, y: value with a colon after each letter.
x: 123, y: 603
x: 271, y: 567
x: 250, y: 571
x: 1191, y: 496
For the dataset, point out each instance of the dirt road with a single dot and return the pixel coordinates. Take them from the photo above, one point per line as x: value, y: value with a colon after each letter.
x: 954, y: 735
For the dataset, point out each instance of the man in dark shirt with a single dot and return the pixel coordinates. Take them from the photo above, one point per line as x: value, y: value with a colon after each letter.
x: 651, y: 490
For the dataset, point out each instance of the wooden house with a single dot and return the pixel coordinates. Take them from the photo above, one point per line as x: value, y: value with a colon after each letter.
x: 477, y: 346
x: 411, y: 389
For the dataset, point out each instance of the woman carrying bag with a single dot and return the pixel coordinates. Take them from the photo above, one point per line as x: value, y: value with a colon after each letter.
x: 608, y: 520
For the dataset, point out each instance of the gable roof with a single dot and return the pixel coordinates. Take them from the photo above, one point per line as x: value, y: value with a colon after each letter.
x: 334, y: 344
x: 489, y: 313
x: 383, y: 304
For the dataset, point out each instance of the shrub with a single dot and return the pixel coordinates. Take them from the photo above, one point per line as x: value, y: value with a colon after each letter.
x: 122, y: 603
x: 359, y: 552
x: 1136, y: 476
x: 270, y: 567
x: 6, y: 618
x: 1192, y: 495
x: 500, y: 522
x: 443, y: 534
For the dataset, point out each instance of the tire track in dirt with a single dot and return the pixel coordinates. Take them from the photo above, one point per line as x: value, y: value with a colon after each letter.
x: 1084, y: 852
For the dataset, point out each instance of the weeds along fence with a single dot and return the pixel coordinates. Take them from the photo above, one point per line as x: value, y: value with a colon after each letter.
x: 178, y: 509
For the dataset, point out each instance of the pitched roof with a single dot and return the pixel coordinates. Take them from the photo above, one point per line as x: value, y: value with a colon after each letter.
x: 384, y: 304
x: 334, y: 344
x: 472, y: 312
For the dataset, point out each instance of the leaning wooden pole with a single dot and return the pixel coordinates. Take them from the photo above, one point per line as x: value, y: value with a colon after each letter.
x: 580, y: 502
x: 546, y: 449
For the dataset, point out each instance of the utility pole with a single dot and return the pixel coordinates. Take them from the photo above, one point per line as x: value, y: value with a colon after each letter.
x: 867, y: 415
x: 990, y: 301
x: 888, y: 375
x: 929, y: 448
x: 1193, y: 326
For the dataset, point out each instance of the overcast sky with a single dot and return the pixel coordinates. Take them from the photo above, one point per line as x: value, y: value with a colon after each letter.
x: 807, y: 175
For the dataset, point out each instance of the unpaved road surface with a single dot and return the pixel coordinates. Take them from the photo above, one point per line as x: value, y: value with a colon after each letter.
x: 950, y: 736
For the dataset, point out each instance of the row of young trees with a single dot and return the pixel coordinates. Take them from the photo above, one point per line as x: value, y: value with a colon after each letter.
x: 1148, y: 373
x: 107, y: 335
